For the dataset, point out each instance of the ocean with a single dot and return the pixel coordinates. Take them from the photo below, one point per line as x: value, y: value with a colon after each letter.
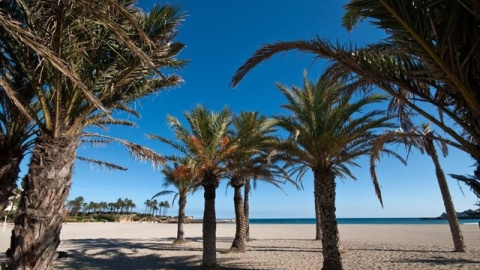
x: 398, y: 221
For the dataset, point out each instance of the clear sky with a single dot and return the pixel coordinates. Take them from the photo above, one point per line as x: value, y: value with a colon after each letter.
x: 220, y: 35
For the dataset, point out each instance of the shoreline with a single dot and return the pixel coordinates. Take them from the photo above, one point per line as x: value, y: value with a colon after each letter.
x: 281, y: 246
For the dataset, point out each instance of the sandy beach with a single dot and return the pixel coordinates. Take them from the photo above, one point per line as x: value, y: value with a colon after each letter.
x: 148, y: 246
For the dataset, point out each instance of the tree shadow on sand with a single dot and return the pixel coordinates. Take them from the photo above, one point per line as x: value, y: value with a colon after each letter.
x: 138, y: 254
x: 472, y: 264
x: 430, y: 257
x: 126, y: 254
x: 314, y: 247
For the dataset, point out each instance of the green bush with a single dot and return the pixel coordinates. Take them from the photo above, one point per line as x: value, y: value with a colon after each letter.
x: 105, y: 217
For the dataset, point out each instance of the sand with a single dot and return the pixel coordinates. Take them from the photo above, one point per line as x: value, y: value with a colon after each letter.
x: 148, y: 246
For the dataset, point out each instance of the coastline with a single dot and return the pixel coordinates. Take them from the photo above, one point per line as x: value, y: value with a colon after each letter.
x: 274, y: 246
x: 365, y: 221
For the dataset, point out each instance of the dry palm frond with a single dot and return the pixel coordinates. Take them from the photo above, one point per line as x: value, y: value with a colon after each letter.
x: 102, y: 164
x: 471, y: 181
x: 96, y: 143
x: 137, y: 151
x: 144, y: 154
x: 10, y: 92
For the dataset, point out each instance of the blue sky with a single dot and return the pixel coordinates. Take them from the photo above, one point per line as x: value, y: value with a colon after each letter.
x: 220, y: 35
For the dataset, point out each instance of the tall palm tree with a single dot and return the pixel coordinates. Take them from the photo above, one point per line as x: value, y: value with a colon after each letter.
x: 84, y: 208
x: 103, y: 207
x: 329, y: 130
x: 185, y: 179
x: 154, y: 207
x: 118, y: 52
x: 161, y: 206
x: 17, y: 131
x: 206, y: 143
x: 92, y: 206
x: 17, y: 135
x: 252, y: 134
x: 120, y: 204
x: 423, y: 138
x: 430, y: 54
x: 76, y: 205
x: 16, y: 139
x: 166, y: 205
x: 129, y: 205
x: 147, y: 204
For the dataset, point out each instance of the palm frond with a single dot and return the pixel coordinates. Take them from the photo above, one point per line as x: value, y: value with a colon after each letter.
x: 163, y: 193
x: 102, y: 164
x: 137, y: 151
x: 470, y: 181
x: 143, y: 153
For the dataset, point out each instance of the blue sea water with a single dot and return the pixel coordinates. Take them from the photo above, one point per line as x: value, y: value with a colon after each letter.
x: 398, y: 221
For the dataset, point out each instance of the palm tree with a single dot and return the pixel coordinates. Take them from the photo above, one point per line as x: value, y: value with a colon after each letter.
x: 129, y: 49
x: 206, y: 143
x: 84, y: 208
x: 327, y: 134
x: 16, y: 139
x: 76, y: 205
x: 17, y: 131
x: 154, y: 207
x: 161, y: 205
x: 111, y: 207
x: 252, y: 135
x: 148, y: 204
x: 423, y: 139
x: 430, y: 54
x: 132, y: 206
x: 185, y: 179
x: 129, y: 205
x: 120, y: 204
x: 92, y: 206
x: 104, y: 206
x: 166, y: 205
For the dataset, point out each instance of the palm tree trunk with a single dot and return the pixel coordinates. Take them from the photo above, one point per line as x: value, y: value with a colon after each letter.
x: 246, y: 209
x: 318, y: 228
x: 36, y: 234
x: 239, y: 243
x: 182, y: 202
x: 457, y: 236
x: 325, y: 185
x: 210, y: 184
x: 9, y: 170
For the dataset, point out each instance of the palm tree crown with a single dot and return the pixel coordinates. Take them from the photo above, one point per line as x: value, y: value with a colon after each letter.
x: 254, y: 144
x: 181, y: 176
x: 327, y: 129
x: 206, y: 143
